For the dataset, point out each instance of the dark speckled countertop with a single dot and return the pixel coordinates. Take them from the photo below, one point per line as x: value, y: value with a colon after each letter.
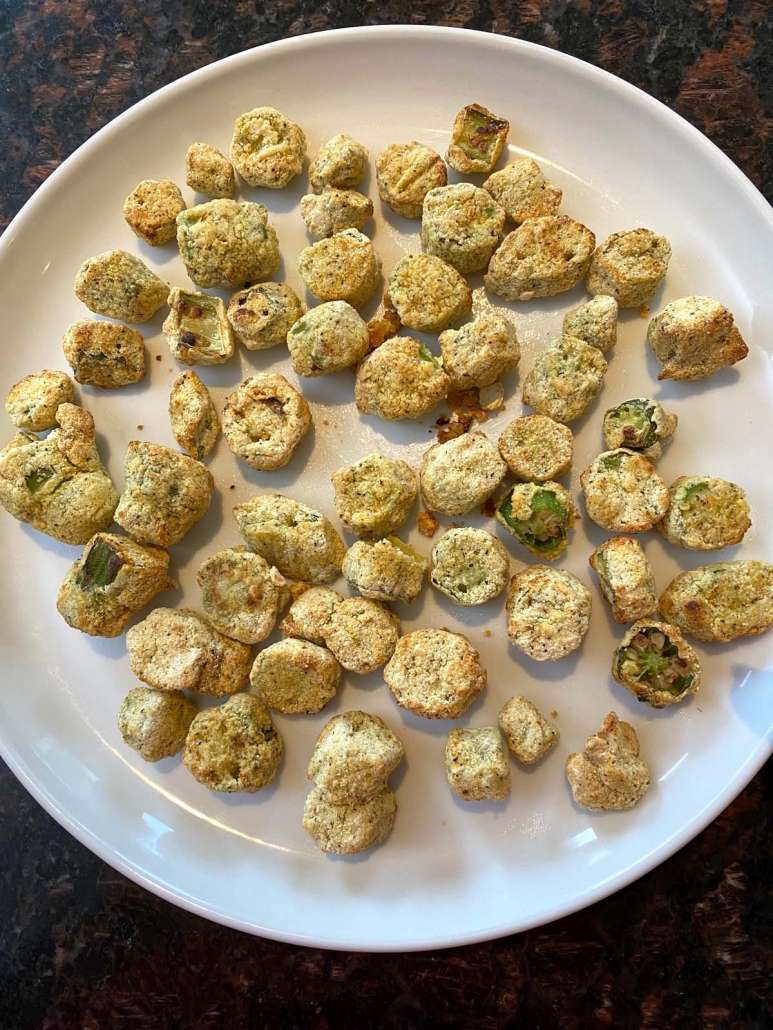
x: 689, y: 945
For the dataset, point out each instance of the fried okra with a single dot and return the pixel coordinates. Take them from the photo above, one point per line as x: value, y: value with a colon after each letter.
x: 623, y: 492
x: 385, y: 570
x: 655, y: 662
x: 104, y: 354
x: 640, y: 424
x: 299, y: 541
x: 540, y: 258
x: 405, y: 173
x: 594, y: 322
x: 362, y: 634
x: 330, y: 212
x: 461, y: 225
x: 354, y: 756
x: 225, y: 244
x: 428, y: 294
x: 461, y: 474
x: 629, y: 266
x: 197, y: 329
x: 435, y: 673
x: 375, y: 495
x: 264, y: 420
x: 349, y: 828
x: 112, y: 579
x: 165, y: 493
x: 59, y: 485
x: 524, y: 191
x: 469, y: 565
x: 540, y: 515
x: 309, y: 615
x: 608, y: 775
x: 535, y: 448
x: 192, y: 414
x: 565, y: 379
x: 234, y: 747
x: 32, y: 403
x: 241, y: 594
x: 693, y: 338
x: 721, y: 602
x: 296, y: 677
x: 481, y: 352
x: 119, y: 285
x: 263, y: 315
x: 155, y: 724
x: 178, y: 649
x: 705, y: 513
x: 548, y: 612
x: 342, y: 267
x: 267, y: 149
x: 209, y: 172
x: 401, y: 379
x: 341, y: 162
x: 477, y: 139
x: 625, y: 578
x: 328, y: 338
x: 476, y: 764
x: 151, y: 210
x: 529, y: 735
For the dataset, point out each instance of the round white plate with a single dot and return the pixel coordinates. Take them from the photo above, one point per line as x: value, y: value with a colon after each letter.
x: 451, y: 872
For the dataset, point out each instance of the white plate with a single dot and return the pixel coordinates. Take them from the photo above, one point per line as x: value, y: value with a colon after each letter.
x: 451, y: 872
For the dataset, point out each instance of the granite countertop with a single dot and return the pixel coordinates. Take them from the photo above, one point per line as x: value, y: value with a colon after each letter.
x: 688, y: 945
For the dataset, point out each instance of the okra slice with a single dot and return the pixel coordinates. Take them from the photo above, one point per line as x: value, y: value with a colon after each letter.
x: 197, y: 329
x: 657, y: 665
x: 540, y: 515
x: 476, y: 140
x: 640, y: 424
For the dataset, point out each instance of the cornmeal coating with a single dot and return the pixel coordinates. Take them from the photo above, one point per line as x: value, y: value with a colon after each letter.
x: 155, y: 724
x: 241, y: 594
x: 540, y: 515
x: 623, y: 492
x: 58, y: 485
x: 461, y: 474
x: 210, y: 172
x: 385, y: 570
x: 693, y: 338
x: 629, y: 266
x: 362, y: 634
x: 151, y: 210
x: 112, y: 579
x: 341, y: 267
x: 476, y: 764
x: 263, y: 315
x: 340, y: 162
x: 565, y: 379
x: 309, y: 615
x: 400, y: 379
x: 192, y: 414
x: 608, y: 775
x: 165, y: 493
x: 197, y: 329
x: 405, y: 173
x: 536, y: 448
x: 528, y: 733
x: 435, y: 673
x: 234, y: 747
x: 548, y: 612
x: 477, y: 139
x: 375, y: 495
x: 481, y: 352
x: 353, y: 758
x: 469, y: 565
x: 178, y: 649
x: 348, y: 829
x: 428, y: 294
x: 705, y: 513
x: 119, y: 285
x: 594, y: 322
x: 264, y: 420
x: 461, y: 224
x: 328, y: 338
x: 640, y: 424
x: 296, y: 677
x: 335, y: 210
x: 267, y: 149
x: 721, y: 602
x: 524, y: 191
x: 540, y: 258
x: 32, y: 403
x: 625, y: 578
x: 104, y: 354
x: 299, y: 541
x: 225, y: 244
x: 655, y: 662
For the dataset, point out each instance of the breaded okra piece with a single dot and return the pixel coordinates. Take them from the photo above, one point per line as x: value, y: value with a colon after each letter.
x: 328, y: 338
x: 342, y: 267
x: 721, y: 602
x: 267, y: 149
x: 705, y: 513
x: 481, y: 352
x: 192, y: 414
x: 461, y: 224
x: 625, y: 578
x: 155, y: 724
x: 362, y: 634
x: 477, y: 139
x: 340, y: 162
x: 104, y: 354
x: 197, y: 329
x: 461, y: 474
x: 405, y: 173
x: 295, y: 677
x: 224, y: 244
x: 151, y: 210
x: 608, y: 775
x: 32, y: 403
x: 693, y: 338
x: 529, y: 735
x: 349, y: 828
x: 354, y: 756
x: 263, y: 315
x: 565, y: 379
x: 435, y: 673
x: 428, y: 294
x: 548, y: 612
x: 469, y: 565
x: 209, y: 172
x: 523, y: 191
x: 374, y: 496
x: 640, y: 424
x: 476, y: 764
x: 540, y: 515
x: 401, y: 379
x: 309, y: 614
x: 655, y: 662
x: 335, y: 210
x: 535, y: 448
x: 241, y: 594
x: 594, y: 322
x: 119, y: 285
x: 264, y: 420
x: 629, y: 266
x: 385, y: 570
x: 623, y: 492
x: 540, y: 258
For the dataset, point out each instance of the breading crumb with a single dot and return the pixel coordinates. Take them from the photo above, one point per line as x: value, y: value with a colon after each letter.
x: 428, y: 524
